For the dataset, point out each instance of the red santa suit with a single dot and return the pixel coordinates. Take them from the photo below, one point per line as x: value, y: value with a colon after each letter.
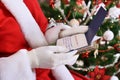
x: 17, y: 25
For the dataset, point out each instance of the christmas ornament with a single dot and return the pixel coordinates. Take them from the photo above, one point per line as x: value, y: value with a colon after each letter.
x: 107, y: 2
x: 108, y: 35
x: 114, y: 12
x: 114, y: 78
x: 66, y: 1
x: 51, y: 3
x: 118, y: 4
x: 57, y: 4
x: 98, y: 74
x: 104, y: 58
x: 79, y: 2
x: 74, y: 23
x: 86, y: 54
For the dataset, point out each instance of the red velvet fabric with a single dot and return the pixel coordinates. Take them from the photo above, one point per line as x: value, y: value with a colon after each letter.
x: 12, y: 38
x: 47, y: 75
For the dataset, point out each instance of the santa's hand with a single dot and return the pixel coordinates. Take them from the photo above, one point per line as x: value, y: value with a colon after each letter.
x: 51, y: 56
x: 52, y: 33
x: 114, y: 12
x: 62, y: 30
x: 74, y: 30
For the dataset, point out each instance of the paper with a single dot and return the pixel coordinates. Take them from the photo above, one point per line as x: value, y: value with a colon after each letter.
x: 73, y: 42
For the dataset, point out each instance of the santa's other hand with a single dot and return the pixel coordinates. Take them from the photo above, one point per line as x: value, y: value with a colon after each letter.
x: 74, y: 30
x: 49, y: 57
x: 52, y: 34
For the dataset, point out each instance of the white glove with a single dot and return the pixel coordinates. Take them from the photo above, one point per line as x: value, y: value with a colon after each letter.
x: 52, y: 34
x: 74, y: 30
x: 51, y: 56
x: 62, y: 30
x: 114, y: 12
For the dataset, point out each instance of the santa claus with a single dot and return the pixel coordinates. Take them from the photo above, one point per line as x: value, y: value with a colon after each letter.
x: 24, y: 50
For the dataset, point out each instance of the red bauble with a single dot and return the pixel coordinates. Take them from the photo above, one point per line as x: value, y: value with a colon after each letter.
x: 107, y: 2
x: 86, y: 54
x: 65, y: 1
x: 79, y: 2
x: 118, y: 5
x: 51, y: 3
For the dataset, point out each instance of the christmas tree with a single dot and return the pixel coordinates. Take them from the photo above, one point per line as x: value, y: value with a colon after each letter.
x: 105, y: 58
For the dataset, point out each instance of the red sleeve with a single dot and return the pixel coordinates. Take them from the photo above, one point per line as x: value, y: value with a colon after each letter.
x: 37, y: 13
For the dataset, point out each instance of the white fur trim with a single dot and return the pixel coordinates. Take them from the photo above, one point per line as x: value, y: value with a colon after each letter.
x: 29, y: 27
x: 16, y: 67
